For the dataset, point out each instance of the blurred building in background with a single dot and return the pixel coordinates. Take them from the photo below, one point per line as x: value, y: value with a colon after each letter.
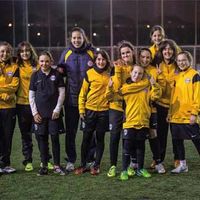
x: 47, y: 23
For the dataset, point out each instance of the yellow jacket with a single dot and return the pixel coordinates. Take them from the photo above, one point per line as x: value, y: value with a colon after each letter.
x: 185, y: 99
x: 152, y: 71
x: 122, y: 72
x: 25, y: 72
x: 9, y: 81
x: 154, y: 49
x: 92, y: 94
x: 138, y: 109
x: 169, y: 73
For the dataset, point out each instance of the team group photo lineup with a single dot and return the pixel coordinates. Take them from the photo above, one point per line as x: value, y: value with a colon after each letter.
x: 138, y: 98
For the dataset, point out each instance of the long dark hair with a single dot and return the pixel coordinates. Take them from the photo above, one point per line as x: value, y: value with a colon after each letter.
x: 33, y: 58
x: 162, y: 46
x: 80, y: 30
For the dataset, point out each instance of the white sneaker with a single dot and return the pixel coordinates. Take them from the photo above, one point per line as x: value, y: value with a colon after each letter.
x: 160, y: 168
x: 133, y: 165
x: 180, y: 169
x: 9, y: 170
x: 1, y: 171
x: 70, y: 167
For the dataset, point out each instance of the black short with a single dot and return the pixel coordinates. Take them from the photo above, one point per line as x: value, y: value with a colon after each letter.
x: 96, y: 120
x: 48, y: 126
x: 115, y: 120
x: 185, y: 131
x: 135, y: 134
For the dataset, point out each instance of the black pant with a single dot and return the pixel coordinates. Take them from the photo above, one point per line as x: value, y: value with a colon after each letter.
x: 179, y: 148
x: 130, y: 146
x: 94, y: 121
x: 115, y: 122
x: 25, y: 120
x: 44, y: 148
x: 71, y: 123
x: 155, y: 149
x: 85, y: 147
x: 7, y: 125
x: 162, y: 129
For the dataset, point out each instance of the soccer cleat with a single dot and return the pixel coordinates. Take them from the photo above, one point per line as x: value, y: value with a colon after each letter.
x: 180, y: 169
x: 153, y: 164
x: 124, y: 176
x: 58, y: 170
x: 9, y: 170
x: 130, y: 171
x: 70, y: 167
x: 94, y: 171
x: 143, y: 172
x: 49, y: 166
x: 112, y: 171
x: 80, y: 170
x: 176, y: 163
x: 42, y: 171
x: 28, y: 167
x: 160, y: 168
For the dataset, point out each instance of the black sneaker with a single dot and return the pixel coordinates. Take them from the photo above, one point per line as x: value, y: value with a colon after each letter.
x: 42, y: 171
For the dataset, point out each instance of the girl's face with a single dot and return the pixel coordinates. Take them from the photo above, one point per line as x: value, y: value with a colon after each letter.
x: 100, y: 61
x: 126, y: 54
x: 25, y: 53
x: 167, y: 53
x: 157, y: 37
x: 137, y: 74
x: 182, y: 62
x: 77, y: 39
x: 5, y: 53
x: 145, y: 58
x: 45, y: 63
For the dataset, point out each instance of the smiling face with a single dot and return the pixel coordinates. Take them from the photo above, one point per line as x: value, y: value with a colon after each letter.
x: 182, y: 62
x: 127, y: 55
x: 145, y: 58
x: 45, y: 63
x: 77, y: 39
x: 137, y: 73
x: 167, y: 53
x: 25, y: 53
x: 157, y: 37
x: 100, y: 61
x: 5, y: 53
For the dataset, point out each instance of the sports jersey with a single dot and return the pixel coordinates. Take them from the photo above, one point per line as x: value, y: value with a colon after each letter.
x: 152, y: 71
x: 46, y: 91
x: 25, y: 72
x: 9, y: 81
x: 185, y: 100
x: 92, y: 94
x: 169, y: 73
x: 121, y: 73
x: 138, y: 110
